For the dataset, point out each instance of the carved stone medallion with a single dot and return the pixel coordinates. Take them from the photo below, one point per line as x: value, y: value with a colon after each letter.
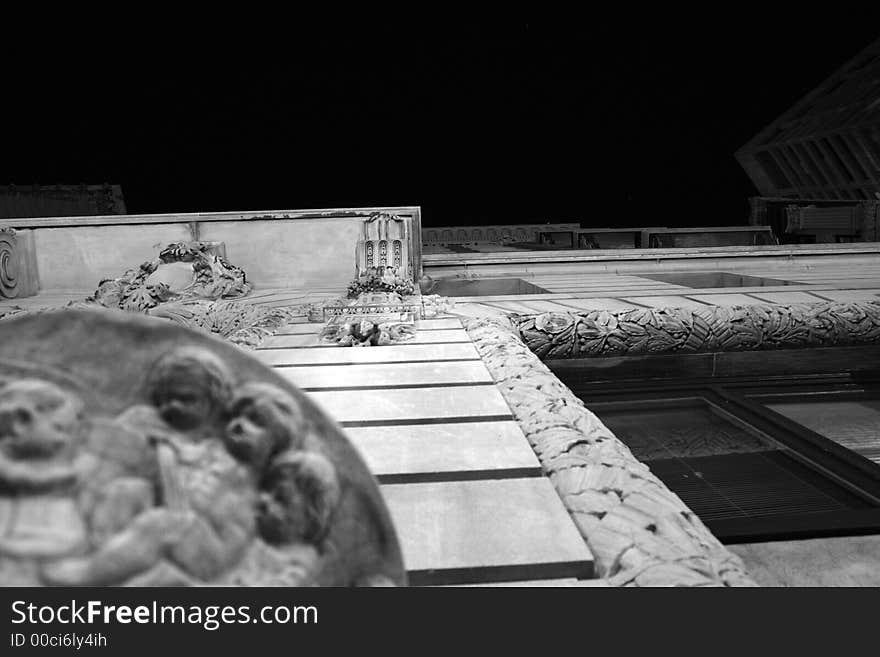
x: 134, y: 451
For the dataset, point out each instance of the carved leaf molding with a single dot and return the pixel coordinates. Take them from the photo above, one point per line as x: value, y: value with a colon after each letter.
x: 639, y: 331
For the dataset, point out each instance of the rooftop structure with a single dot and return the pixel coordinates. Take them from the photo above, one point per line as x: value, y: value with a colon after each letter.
x: 827, y: 145
x: 60, y: 200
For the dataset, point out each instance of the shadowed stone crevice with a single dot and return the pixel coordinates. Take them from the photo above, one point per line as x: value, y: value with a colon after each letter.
x: 640, y: 532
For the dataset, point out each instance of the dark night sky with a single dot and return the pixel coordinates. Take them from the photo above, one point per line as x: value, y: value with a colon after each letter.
x: 610, y: 122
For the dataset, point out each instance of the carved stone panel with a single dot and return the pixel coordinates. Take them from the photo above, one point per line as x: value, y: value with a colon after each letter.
x: 135, y: 451
x: 386, y: 242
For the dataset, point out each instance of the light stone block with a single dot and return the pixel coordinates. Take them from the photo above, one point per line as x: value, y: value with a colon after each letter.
x: 444, y: 448
x: 486, y: 524
x: 412, y: 403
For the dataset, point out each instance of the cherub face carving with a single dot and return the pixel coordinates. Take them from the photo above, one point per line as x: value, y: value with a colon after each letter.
x: 190, y: 387
x: 37, y: 419
x: 300, y: 494
x: 265, y: 420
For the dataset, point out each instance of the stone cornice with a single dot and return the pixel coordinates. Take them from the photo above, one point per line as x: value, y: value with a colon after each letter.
x: 699, y: 330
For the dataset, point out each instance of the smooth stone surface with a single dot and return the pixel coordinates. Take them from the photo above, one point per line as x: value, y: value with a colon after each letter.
x: 786, y: 297
x: 78, y: 258
x: 732, y: 299
x: 840, y: 561
x: 386, y: 354
x: 176, y: 275
x: 472, y: 309
x: 411, y: 403
x: 288, y: 298
x: 541, y: 306
x: 668, y: 302
x: 437, y: 448
x: 848, y: 295
x: 511, y: 306
x: 472, y: 524
x: 387, y: 374
x: 290, y: 253
x: 598, y: 304
x: 311, y: 339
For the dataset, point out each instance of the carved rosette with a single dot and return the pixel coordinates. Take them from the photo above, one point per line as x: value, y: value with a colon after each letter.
x: 711, y: 329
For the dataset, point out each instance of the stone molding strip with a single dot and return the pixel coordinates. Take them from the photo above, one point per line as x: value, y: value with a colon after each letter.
x: 640, y: 532
x: 640, y: 331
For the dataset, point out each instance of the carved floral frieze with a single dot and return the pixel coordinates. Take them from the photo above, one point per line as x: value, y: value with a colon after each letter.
x: 640, y: 331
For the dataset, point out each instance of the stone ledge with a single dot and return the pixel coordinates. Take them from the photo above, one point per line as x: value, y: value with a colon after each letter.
x: 640, y: 532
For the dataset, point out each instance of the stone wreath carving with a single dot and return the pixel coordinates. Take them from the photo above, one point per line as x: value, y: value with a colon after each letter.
x: 183, y: 270
x: 713, y: 328
x: 190, y: 283
x: 208, y: 470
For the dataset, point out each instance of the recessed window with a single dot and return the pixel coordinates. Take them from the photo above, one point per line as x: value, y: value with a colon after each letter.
x: 723, y: 468
x: 752, y: 463
x: 852, y: 422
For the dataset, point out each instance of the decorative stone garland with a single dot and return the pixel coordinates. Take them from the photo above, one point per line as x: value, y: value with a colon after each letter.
x: 713, y: 328
x: 640, y: 532
x: 242, y: 324
x: 201, y: 304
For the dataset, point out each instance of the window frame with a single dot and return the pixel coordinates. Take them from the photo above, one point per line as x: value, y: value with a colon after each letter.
x: 741, y: 398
